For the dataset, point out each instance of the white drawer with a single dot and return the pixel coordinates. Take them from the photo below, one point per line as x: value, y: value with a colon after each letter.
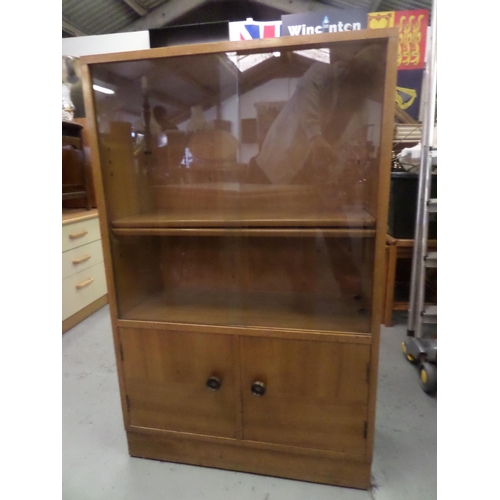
x: 80, y: 233
x: 81, y: 258
x: 82, y: 289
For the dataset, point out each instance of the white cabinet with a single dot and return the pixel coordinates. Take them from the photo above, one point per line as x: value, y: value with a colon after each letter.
x: 83, y: 275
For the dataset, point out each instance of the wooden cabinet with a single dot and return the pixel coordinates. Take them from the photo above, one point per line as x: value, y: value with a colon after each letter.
x: 246, y: 280
x: 75, y: 180
x: 77, y: 168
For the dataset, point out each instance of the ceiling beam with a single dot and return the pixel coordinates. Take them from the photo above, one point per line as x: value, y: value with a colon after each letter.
x: 164, y: 14
x: 71, y: 28
x: 135, y: 6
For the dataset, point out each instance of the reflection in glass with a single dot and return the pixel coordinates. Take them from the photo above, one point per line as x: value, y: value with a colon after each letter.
x: 246, y: 61
x: 310, y: 143
x: 323, y: 125
x: 256, y: 143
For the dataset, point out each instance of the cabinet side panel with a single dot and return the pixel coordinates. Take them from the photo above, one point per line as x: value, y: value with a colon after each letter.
x: 122, y: 182
x: 381, y: 231
x: 102, y: 207
x: 136, y: 264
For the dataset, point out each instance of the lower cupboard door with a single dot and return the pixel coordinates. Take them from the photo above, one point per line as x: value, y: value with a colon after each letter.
x: 311, y: 394
x: 180, y: 381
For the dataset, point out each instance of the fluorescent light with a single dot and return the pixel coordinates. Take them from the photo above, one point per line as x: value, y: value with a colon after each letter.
x: 104, y: 90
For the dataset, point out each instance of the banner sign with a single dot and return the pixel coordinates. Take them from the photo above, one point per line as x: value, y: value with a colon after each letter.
x: 412, y: 34
x: 408, y: 93
x: 324, y: 21
x: 412, y: 26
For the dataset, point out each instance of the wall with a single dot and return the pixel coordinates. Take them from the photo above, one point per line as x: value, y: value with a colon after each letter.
x: 104, y: 44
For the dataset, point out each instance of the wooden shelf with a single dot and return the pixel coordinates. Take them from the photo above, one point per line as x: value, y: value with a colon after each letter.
x: 290, y: 311
x: 350, y: 218
x: 239, y: 232
x: 72, y: 195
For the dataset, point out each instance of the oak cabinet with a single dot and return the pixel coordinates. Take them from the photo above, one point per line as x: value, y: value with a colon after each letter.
x: 245, y: 279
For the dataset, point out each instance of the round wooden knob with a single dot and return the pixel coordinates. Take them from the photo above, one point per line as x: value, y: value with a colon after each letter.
x: 258, y: 388
x: 214, y: 383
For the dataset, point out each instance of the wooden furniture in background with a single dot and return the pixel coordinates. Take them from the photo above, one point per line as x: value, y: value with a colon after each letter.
x: 245, y: 316
x: 74, y: 176
x: 77, y: 181
x: 396, y: 250
x: 84, y: 280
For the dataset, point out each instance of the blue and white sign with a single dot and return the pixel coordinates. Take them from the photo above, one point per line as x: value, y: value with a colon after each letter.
x: 324, y: 21
x: 252, y: 30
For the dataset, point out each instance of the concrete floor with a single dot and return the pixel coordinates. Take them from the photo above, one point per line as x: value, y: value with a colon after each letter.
x: 96, y: 464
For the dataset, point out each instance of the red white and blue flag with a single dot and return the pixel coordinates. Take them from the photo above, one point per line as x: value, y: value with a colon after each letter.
x: 251, y: 30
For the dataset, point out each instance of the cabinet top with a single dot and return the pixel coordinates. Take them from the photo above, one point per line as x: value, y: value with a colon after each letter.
x: 289, y: 42
x: 70, y: 216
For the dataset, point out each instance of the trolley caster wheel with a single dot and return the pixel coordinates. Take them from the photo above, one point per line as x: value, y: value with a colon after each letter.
x: 428, y: 377
x: 408, y: 356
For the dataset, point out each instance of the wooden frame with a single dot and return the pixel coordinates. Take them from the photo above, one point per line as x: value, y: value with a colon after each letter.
x: 330, y: 467
x: 396, y: 249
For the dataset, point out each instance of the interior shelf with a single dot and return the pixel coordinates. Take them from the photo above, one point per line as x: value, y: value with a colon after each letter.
x: 256, y: 217
x: 74, y: 195
x: 314, y: 312
x: 246, y: 232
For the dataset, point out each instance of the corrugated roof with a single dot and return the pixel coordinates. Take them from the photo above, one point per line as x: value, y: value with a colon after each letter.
x: 405, y: 5
x: 348, y: 4
x: 150, y: 4
x: 94, y: 17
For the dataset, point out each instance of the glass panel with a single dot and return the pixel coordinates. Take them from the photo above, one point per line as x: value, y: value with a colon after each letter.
x: 241, y: 187
x: 314, y: 282
x: 276, y: 139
